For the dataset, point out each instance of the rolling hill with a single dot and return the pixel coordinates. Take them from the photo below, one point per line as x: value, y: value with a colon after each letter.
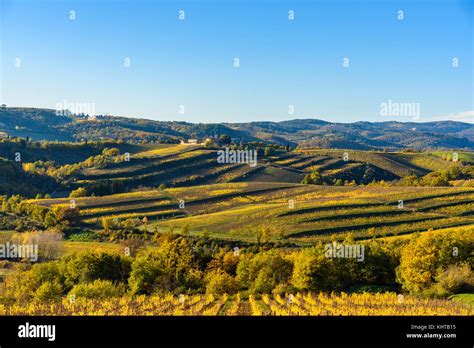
x: 44, y: 124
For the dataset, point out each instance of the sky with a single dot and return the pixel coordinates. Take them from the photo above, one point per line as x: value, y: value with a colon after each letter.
x: 240, y: 60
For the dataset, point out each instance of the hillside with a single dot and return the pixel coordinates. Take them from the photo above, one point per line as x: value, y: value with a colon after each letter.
x: 234, y: 201
x: 83, y: 165
x: 238, y: 211
x: 44, y: 124
x: 178, y: 165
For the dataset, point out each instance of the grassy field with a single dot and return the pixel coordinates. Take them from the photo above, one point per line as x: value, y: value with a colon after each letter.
x: 464, y: 156
x: 76, y: 247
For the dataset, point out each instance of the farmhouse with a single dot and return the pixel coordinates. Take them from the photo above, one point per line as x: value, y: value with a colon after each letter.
x: 195, y: 142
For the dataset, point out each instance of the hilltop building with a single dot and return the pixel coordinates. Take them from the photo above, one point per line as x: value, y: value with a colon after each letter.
x: 196, y: 142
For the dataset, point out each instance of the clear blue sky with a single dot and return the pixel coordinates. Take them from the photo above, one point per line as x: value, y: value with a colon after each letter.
x: 282, y: 62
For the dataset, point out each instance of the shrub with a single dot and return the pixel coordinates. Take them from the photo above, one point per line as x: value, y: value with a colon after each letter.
x: 263, y: 272
x: 87, y: 267
x: 313, y: 178
x: 168, y: 268
x: 429, y: 254
x: 311, y: 270
x: 226, y: 261
x: 98, y: 289
x: 218, y: 283
x: 48, y: 291
x: 27, y: 283
x: 49, y: 242
x: 455, y: 279
x: 80, y: 192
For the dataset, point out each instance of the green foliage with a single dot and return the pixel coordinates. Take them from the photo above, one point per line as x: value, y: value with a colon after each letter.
x: 454, y: 280
x: 169, y: 268
x: 40, y: 282
x: 218, y: 283
x: 80, y: 192
x: 264, y: 272
x: 441, y: 177
x: 427, y: 256
x: 426, y: 265
x: 98, y: 289
x: 269, y: 151
x: 87, y: 267
x: 312, y: 271
x: 61, y: 215
x: 313, y: 178
x: 48, y: 291
x: 14, y: 180
x: 224, y: 139
x: 225, y: 261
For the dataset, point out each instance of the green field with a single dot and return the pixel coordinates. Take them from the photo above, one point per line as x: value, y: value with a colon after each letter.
x: 464, y: 156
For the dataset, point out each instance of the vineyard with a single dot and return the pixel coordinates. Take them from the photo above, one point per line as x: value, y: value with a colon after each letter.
x: 233, y: 238
x: 211, y: 305
x: 302, y: 213
x: 181, y: 165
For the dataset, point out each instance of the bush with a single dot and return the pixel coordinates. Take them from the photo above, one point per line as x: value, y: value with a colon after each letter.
x: 311, y: 270
x: 313, y: 178
x: 87, y: 267
x: 98, y: 289
x: 48, y: 291
x: 428, y: 255
x: 218, y: 283
x: 263, y: 272
x: 49, y: 242
x: 42, y: 281
x: 80, y: 192
x: 168, y: 268
x: 226, y: 261
x: 454, y: 280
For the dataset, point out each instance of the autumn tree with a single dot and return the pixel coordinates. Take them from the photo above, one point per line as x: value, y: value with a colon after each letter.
x: 429, y: 254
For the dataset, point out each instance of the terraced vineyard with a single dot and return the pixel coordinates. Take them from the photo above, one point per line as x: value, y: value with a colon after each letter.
x: 318, y: 213
x: 295, y: 212
x: 165, y: 165
x: 211, y: 305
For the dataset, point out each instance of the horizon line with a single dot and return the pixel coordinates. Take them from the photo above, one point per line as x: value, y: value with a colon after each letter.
x: 446, y: 118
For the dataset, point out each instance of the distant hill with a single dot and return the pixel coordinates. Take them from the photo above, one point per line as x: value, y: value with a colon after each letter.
x: 44, y: 124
